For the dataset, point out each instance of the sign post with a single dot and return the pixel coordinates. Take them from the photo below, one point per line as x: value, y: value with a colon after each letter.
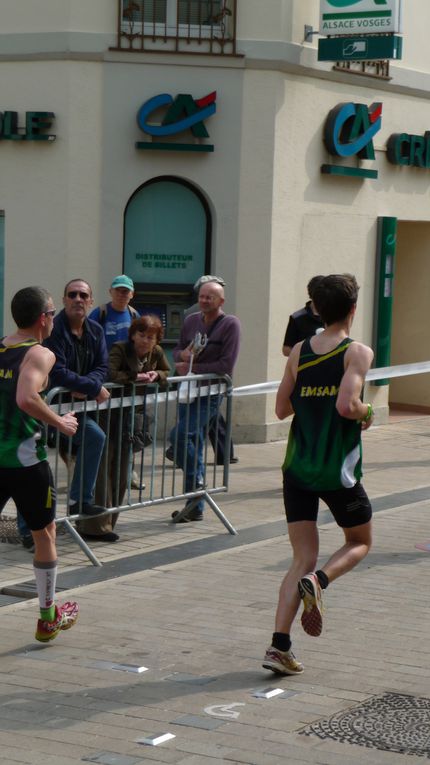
x: 385, y: 263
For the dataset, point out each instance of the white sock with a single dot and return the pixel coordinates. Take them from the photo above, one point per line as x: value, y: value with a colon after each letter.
x: 46, y: 577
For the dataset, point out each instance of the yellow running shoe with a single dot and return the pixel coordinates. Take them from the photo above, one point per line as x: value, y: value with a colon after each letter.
x: 311, y: 595
x: 282, y: 662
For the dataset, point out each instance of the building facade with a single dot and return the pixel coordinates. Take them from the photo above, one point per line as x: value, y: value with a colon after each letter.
x: 169, y: 139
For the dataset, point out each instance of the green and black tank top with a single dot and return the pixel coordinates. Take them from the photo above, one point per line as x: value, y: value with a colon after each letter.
x: 22, y: 441
x: 324, y: 449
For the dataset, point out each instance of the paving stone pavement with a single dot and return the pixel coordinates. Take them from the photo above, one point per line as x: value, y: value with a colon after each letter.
x: 196, y: 608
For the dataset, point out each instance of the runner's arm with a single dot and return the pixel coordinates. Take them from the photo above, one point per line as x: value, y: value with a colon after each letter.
x: 283, y: 407
x: 33, y: 374
x: 358, y: 359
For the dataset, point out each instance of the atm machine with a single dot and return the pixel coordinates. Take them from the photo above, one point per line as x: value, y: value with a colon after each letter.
x: 168, y: 302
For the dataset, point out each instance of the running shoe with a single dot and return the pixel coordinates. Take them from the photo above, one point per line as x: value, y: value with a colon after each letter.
x: 311, y: 595
x: 65, y: 617
x: 282, y: 662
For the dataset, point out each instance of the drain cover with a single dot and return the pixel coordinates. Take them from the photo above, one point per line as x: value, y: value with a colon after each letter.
x: 394, y: 722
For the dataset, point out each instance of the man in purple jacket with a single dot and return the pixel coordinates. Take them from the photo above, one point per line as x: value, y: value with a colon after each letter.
x: 222, y: 334
x: 81, y: 366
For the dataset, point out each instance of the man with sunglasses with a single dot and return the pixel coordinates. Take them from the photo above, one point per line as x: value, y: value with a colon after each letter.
x: 25, y: 474
x: 82, y: 367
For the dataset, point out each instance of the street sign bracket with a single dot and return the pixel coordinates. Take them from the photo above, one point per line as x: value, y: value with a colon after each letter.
x: 309, y: 33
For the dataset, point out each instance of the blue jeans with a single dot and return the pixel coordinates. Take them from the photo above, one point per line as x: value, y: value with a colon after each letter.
x: 90, y: 440
x: 188, y: 437
x: 23, y: 529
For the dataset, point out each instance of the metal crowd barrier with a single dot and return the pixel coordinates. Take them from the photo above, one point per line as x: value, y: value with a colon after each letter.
x: 138, y: 421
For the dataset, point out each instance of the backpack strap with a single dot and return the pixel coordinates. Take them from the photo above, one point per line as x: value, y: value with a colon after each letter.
x: 102, y: 314
x: 133, y: 313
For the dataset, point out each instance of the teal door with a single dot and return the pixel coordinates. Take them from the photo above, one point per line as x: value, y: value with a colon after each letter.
x: 166, y: 234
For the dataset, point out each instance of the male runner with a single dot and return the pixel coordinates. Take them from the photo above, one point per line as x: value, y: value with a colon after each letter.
x: 322, y: 386
x: 25, y: 475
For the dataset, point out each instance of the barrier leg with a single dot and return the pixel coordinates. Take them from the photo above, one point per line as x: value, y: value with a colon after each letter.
x: 84, y: 547
x: 219, y: 513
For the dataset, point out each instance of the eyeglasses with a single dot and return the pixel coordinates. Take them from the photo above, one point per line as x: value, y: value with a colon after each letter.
x: 75, y: 293
x: 52, y: 312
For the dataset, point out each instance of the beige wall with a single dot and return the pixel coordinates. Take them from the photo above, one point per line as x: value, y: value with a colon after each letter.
x: 44, y: 16
x: 410, y: 338
x: 50, y: 192
x: 271, y: 20
x: 319, y: 224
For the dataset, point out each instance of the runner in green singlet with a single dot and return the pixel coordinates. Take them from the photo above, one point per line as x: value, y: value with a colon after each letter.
x: 322, y: 387
x: 25, y: 475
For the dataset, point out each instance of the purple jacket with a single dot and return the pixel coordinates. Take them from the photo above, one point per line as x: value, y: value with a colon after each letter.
x: 220, y: 354
x: 64, y: 372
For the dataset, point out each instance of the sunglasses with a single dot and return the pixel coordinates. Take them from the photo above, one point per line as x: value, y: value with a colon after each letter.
x: 75, y: 293
x: 52, y: 312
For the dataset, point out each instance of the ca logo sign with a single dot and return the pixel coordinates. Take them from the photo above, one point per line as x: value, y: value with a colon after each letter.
x: 350, y: 129
x: 181, y: 113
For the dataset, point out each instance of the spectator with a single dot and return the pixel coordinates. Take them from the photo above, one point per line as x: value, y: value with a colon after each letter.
x: 217, y: 435
x: 115, y: 317
x: 222, y: 335
x: 305, y: 322
x: 81, y: 366
x: 139, y: 360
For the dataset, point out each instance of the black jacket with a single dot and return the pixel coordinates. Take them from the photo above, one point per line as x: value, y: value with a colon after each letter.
x: 64, y: 372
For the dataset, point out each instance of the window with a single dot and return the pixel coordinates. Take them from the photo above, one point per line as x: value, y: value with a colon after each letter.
x: 197, y: 12
x: 183, y: 26
x: 170, y: 13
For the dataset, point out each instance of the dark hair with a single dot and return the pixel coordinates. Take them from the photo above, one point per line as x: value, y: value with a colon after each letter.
x: 334, y: 297
x: 148, y: 323
x: 28, y: 304
x: 78, y: 279
x: 312, y: 285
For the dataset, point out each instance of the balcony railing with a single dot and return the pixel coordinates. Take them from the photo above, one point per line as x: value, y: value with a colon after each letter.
x: 178, y: 26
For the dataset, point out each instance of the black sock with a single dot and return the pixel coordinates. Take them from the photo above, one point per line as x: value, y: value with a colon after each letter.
x: 281, y: 641
x: 323, y: 579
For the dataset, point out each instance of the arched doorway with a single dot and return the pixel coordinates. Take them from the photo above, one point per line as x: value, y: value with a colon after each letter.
x: 167, y: 240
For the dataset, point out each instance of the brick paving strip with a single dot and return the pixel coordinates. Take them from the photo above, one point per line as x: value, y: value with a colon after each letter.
x: 200, y: 625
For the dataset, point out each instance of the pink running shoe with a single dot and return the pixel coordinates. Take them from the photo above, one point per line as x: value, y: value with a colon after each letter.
x: 65, y: 617
x: 311, y: 595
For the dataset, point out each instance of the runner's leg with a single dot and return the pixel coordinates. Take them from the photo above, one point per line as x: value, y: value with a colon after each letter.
x: 305, y: 543
x: 358, y: 540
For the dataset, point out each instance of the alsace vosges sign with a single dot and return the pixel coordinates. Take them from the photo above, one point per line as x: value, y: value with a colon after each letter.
x: 352, y: 17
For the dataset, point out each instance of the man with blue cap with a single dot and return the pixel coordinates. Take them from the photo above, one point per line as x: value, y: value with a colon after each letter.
x: 115, y: 317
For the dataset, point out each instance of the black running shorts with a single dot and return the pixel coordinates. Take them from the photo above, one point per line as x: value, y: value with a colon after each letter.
x: 349, y: 507
x: 32, y: 489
